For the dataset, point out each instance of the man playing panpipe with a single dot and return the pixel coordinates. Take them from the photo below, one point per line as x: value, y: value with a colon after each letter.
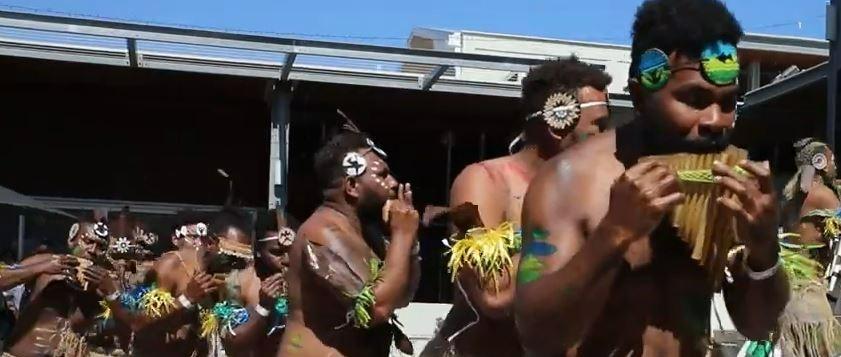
x: 602, y: 272
x: 63, y: 305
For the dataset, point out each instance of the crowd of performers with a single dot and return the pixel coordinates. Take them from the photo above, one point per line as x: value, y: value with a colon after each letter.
x: 584, y: 241
x: 218, y: 291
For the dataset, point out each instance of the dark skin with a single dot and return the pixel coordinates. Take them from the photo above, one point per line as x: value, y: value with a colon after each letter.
x: 497, y: 187
x: 35, y: 266
x: 616, y: 280
x: 317, y: 308
x: 820, y: 196
x: 275, y: 259
x: 253, y: 291
x: 174, y: 333
x: 56, y: 301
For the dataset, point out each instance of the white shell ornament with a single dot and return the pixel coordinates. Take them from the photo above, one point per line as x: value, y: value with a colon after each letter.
x: 561, y: 111
x: 201, y: 229
x: 376, y: 148
x: 354, y: 164
x: 101, y: 230
x: 122, y: 245
x: 286, y: 236
x: 819, y: 161
x: 74, y: 230
x: 150, y: 238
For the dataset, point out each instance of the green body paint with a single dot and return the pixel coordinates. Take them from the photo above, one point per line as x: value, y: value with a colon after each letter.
x: 531, y: 267
x: 295, y: 342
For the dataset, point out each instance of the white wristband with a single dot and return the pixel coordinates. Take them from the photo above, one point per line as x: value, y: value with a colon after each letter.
x: 113, y: 296
x: 761, y: 275
x: 262, y: 311
x: 185, y: 302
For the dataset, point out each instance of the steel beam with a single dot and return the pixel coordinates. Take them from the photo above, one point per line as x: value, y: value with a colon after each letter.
x: 287, y: 66
x: 832, y: 33
x: 260, y: 43
x: 279, y: 145
x: 430, y: 78
x: 131, y: 47
x: 67, y: 53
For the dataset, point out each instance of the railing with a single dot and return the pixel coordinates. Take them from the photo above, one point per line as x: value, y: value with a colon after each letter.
x: 152, y: 46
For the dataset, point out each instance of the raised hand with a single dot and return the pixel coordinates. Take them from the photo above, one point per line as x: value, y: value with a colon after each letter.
x: 401, y: 215
x: 59, y: 264
x: 201, y: 285
x: 754, y: 204
x: 271, y: 289
x: 99, y: 279
x: 641, y: 197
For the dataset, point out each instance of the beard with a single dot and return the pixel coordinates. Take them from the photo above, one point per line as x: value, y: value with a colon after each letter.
x: 369, y: 209
x: 660, y: 140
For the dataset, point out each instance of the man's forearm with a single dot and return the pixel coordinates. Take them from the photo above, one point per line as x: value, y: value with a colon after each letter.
x: 137, y: 320
x: 394, y: 279
x: 555, y: 311
x: 249, y: 333
x: 414, y: 280
x: 11, y: 277
x: 754, y: 320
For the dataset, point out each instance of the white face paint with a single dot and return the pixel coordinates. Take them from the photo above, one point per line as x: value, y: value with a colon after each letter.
x: 376, y: 169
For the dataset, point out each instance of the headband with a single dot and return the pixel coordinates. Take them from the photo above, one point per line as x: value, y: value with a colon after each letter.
x: 561, y: 111
x: 285, y: 237
x: 198, y: 230
x: 719, y: 66
x: 236, y: 249
x: 811, y: 153
x: 810, y: 157
x: 100, y: 233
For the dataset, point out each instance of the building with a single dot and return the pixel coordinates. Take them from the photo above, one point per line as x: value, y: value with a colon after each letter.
x: 763, y: 56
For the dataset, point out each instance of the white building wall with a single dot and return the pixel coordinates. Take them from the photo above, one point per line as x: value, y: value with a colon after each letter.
x: 615, y: 59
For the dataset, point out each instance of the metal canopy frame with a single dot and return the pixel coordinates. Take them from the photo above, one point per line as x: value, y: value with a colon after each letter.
x: 288, y: 69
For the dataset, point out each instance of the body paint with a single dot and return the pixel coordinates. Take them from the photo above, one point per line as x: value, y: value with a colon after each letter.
x: 531, y: 266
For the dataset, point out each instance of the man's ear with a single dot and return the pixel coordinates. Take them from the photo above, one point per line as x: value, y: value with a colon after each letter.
x: 350, y: 186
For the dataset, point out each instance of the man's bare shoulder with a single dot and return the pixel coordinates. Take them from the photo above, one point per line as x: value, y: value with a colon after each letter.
x: 323, y: 227
x: 483, y: 171
x: 820, y: 197
x: 166, y: 266
x: 583, y: 162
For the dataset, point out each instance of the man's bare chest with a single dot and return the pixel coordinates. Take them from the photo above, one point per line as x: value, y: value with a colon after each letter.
x: 662, y: 305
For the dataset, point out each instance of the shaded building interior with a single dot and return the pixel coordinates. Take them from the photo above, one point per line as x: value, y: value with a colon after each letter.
x: 99, y: 132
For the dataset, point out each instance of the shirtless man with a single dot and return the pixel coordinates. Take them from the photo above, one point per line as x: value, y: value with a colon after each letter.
x: 272, y: 260
x: 600, y: 275
x: 497, y: 187
x: 345, y: 279
x: 178, y: 283
x: 64, y: 304
x: 231, y: 259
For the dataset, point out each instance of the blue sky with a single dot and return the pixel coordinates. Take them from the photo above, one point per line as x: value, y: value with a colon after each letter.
x: 390, y: 22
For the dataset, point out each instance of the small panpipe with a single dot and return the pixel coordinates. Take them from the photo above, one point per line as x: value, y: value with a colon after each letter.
x: 708, y: 230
